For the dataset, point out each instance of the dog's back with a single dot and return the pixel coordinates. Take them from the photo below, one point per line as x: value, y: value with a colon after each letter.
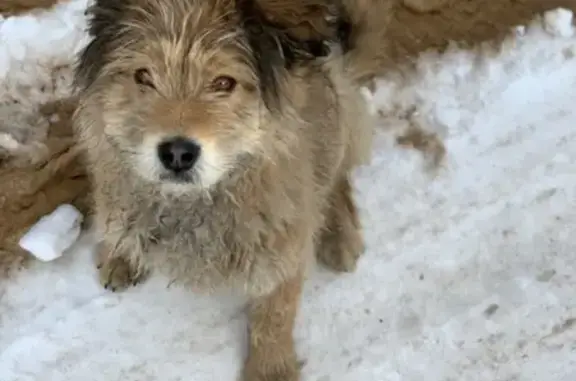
x: 358, y: 37
x: 356, y: 30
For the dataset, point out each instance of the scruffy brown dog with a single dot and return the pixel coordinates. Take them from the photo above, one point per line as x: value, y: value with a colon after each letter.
x: 221, y: 145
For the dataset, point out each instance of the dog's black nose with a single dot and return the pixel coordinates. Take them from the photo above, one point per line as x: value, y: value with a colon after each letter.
x: 178, y: 154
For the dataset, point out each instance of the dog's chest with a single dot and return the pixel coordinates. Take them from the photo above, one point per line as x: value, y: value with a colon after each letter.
x: 200, y: 244
x: 176, y: 227
x: 196, y: 230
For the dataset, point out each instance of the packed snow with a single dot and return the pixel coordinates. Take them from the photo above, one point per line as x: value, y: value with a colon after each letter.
x: 470, y: 273
x: 54, y: 233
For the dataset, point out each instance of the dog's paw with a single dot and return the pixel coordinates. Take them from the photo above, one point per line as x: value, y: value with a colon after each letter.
x: 269, y: 367
x: 117, y: 274
x: 287, y: 374
x: 340, y: 258
x: 341, y: 252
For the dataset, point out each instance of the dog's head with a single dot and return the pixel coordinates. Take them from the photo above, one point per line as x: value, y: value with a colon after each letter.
x: 183, y: 86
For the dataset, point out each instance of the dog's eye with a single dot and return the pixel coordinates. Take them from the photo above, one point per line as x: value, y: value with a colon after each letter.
x: 142, y: 77
x: 224, y: 84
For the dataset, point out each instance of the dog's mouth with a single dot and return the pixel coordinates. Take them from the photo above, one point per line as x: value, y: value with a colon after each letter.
x: 178, y: 177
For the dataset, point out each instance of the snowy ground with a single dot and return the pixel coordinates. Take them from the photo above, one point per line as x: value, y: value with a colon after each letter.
x: 469, y: 276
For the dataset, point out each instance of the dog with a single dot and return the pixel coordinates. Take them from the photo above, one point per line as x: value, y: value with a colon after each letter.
x: 220, y: 139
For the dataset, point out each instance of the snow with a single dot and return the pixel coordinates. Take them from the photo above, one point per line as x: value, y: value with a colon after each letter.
x: 54, y: 233
x: 470, y: 274
x: 35, y: 67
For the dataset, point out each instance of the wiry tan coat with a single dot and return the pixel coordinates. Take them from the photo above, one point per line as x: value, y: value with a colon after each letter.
x: 272, y: 185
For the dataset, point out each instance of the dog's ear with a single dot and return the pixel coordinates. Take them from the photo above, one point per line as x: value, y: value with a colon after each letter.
x: 313, y: 23
x: 104, y: 28
x: 304, y: 20
x: 278, y: 40
x: 267, y: 46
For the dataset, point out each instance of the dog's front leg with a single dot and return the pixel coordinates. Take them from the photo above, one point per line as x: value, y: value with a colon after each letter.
x: 272, y: 356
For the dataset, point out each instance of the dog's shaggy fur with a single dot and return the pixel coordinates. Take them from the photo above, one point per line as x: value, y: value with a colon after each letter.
x: 276, y: 109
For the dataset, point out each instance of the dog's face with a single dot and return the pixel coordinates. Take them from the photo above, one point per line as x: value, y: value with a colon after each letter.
x: 184, y: 85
